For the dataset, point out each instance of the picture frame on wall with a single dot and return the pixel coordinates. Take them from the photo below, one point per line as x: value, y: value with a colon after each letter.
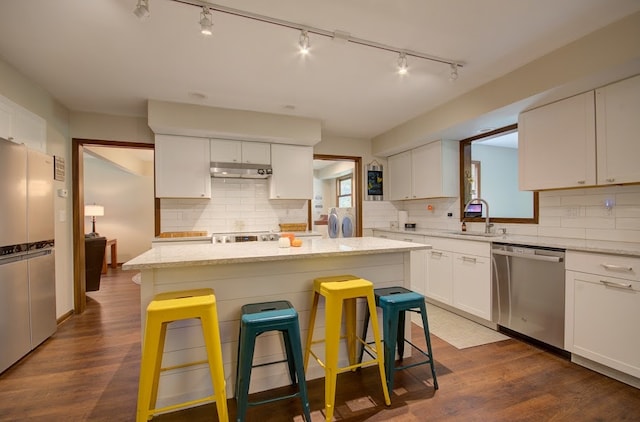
x: 375, y: 182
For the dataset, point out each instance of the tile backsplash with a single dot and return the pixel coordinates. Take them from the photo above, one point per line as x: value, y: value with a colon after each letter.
x: 602, y: 213
x: 236, y: 205
x: 244, y: 205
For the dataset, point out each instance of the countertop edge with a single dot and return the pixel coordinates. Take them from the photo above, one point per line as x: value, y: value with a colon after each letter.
x: 570, y: 244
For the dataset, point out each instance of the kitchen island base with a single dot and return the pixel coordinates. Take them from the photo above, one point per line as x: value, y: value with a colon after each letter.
x: 238, y: 283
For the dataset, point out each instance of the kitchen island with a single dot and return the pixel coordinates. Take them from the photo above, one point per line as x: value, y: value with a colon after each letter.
x: 251, y: 272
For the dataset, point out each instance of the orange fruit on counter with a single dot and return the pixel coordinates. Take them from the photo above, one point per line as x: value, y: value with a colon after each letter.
x: 296, y: 242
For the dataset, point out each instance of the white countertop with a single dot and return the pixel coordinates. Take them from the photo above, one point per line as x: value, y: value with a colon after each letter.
x: 585, y: 245
x: 214, y: 254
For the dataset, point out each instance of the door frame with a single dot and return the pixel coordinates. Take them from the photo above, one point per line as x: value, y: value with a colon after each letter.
x: 357, y: 177
x: 77, y: 187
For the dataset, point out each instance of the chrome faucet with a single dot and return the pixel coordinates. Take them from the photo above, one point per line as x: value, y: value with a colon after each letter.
x: 487, y: 224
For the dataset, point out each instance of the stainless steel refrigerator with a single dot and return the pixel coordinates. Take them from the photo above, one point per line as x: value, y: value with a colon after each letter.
x: 27, y: 266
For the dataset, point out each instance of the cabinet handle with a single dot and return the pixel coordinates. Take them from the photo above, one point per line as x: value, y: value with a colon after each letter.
x: 436, y: 253
x: 383, y: 236
x: 612, y: 267
x: 468, y: 259
x: 408, y: 240
x: 581, y: 182
x: 615, y: 284
x: 611, y: 180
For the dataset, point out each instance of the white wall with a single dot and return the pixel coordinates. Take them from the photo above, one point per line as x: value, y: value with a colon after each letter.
x: 128, y: 203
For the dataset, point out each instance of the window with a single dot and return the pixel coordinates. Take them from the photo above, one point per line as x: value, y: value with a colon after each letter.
x: 343, y: 188
x: 489, y: 170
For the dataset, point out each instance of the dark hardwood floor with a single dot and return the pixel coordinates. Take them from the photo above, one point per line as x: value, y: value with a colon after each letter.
x: 88, y: 371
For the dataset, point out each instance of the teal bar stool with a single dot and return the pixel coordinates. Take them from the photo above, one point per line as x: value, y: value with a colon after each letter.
x: 395, y: 302
x: 258, y: 318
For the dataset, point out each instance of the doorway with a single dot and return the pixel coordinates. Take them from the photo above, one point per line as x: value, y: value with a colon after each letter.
x: 337, y: 183
x: 79, y: 148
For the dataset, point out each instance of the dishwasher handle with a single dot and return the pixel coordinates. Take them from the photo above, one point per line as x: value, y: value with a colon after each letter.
x: 533, y: 257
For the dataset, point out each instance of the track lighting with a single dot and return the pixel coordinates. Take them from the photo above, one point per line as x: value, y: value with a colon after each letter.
x: 206, y: 21
x: 454, y: 72
x: 206, y: 25
x: 403, y: 67
x: 304, y: 42
x: 142, y: 9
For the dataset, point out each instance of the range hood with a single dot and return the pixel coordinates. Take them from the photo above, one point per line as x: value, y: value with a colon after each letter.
x: 241, y: 170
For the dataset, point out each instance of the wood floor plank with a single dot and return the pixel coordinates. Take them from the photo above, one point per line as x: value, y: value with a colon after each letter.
x: 88, y: 371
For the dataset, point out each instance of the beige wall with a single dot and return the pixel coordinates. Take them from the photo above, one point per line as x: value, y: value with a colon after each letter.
x: 195, y: 120
x: 109, y: 128
x: 601, y: 57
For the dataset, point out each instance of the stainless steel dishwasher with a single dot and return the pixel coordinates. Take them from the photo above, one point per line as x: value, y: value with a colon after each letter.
x: 528, y: 291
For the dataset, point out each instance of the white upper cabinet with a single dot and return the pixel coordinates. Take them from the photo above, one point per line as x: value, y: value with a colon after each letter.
x: 399, y: 176
x: 561, y: 143
x: 229, y: 151
x: 182, y: 167
x: 292, y: 172
x: 434, y: 169
x: 429, y: 171
x: 20, y: 125
x: 556, y: 144
x: 618, y: 129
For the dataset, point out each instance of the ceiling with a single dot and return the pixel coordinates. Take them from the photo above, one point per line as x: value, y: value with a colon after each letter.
x: 96, y: 56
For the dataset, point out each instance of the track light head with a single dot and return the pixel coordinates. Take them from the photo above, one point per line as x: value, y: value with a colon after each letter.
x: 142, y: 9
x: 206, y: 21
x: 304, y: 42
x: 454, y: 72
x: 403, y: 67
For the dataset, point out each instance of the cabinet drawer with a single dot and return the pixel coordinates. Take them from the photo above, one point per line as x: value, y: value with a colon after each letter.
x: 468, y: 247
x: 617, y: 266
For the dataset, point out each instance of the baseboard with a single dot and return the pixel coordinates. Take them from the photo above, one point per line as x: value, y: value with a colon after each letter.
x: 605, y: 370
x: 64, y: 317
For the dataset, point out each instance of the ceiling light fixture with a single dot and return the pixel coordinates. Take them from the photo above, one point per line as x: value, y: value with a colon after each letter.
x: 206, y: 21
x: 142, y: 9
x: 403, y: 67
x: 343, y: 36
x: 454, y: 72
x: 304, y: 42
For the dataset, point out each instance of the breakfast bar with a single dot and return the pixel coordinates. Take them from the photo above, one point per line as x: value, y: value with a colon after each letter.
x: 242, y: 273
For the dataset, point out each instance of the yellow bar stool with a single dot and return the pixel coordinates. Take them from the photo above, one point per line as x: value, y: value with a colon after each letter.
x: 339, y: 292
x: 166, y: 308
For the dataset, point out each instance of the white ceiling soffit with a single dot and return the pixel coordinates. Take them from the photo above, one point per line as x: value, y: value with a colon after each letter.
x: 96, y: 56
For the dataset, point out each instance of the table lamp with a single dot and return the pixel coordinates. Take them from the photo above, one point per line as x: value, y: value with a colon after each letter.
x: 93, y: 211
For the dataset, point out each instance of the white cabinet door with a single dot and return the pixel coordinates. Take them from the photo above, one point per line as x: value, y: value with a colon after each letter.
x: 256, y: 153
x: 399, y: 175
x: 472, y: 284
x: 434, y: 169
x: 606, y: 316
x: 618, y: 126
x: 292, y: 172
x: 440, y: 276
x: 6, y: 119
x: 556, y: 147
x: 182, y: 167
x: 226, y: 151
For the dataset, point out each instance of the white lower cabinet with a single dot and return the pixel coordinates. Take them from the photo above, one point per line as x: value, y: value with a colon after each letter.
x: 472, y: 284
x: 603, y: 310
x: 418, y: 258
x: 458, y: 274
x: 440, y: 276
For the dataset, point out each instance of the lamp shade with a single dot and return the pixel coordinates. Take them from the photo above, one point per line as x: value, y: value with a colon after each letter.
x: 93, y: 210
